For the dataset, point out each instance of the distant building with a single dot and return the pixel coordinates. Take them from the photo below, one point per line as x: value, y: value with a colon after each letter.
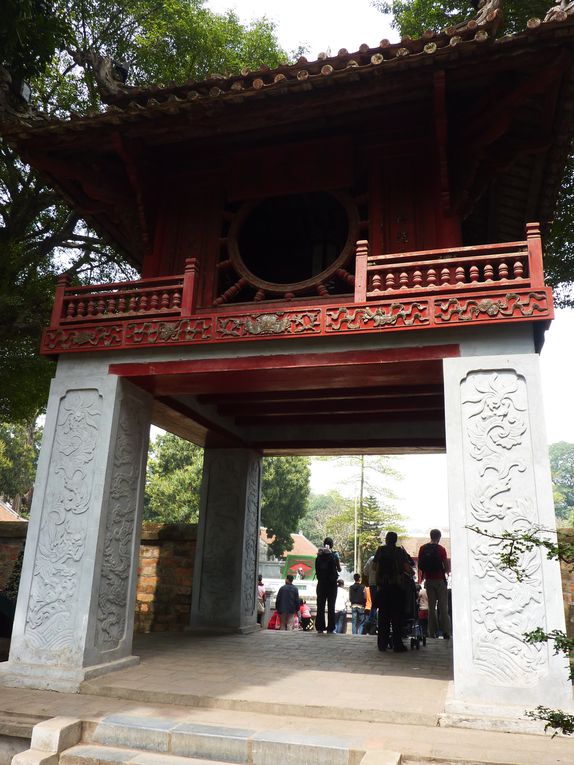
x: 7, y: 513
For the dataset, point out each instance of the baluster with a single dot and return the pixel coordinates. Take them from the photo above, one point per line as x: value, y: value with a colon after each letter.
x: 376, y: 283
x: 154, y: 301
x: 417, y: 279
x: 80, y: 308
x: 322, y: 290
x: 176, y: 300
x: 445, y: 276
x: 164, y: 301
x: 518, y: 269
x: 143, y: 303
x: 231, y: 292
x: 70, y: 311
x: 101, y: 306
x: 390, y: 281
x: 289, y: 295
x: 503, y: 270
x: 488, y: 272
x: 459, y: 275
x: 111, y: 305
x: 404, y: 280
x: 431, y: 277
x: 133, y: 304
x: 259, y: 296
x: 121, y: 304
x: 474, y: 273
x: 91, y: 307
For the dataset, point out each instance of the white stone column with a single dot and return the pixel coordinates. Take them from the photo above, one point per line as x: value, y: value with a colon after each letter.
x: 75, y: 610
x: 225, y: 576
x: 499, y: 480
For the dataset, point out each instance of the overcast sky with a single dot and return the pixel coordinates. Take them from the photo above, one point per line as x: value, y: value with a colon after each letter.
x: 322, y: 25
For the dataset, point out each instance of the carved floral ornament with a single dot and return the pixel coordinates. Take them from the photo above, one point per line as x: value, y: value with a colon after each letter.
x: 560, y: 11
x: 499, y: 475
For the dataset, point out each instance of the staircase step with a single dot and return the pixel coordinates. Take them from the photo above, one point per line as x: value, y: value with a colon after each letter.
x: 221, y: 743
x: 91, y: 754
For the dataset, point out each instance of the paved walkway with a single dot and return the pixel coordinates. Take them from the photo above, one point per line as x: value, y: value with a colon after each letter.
x: 287, y: 673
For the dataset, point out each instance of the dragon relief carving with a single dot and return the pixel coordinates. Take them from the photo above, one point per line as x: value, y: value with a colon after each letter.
x: 251, y: 542
x: 280, y: 323
x: 497, y: 470
x: 50, y: 621
x: 157, y: 332
x: 510, y: 306
x: 120, y: 525
x: 401, y: 314
x: 99, y: 337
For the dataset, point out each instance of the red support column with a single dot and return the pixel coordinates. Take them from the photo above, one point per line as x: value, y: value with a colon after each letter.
x: 62, y: 283
x: 535, y: 263
x: 189, y: 286
x: 362, y: 253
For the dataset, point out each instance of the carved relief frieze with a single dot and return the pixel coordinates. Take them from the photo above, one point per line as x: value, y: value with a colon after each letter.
x: 403, y: 314
x: 512, y: 305
x: 225, y: 507
x: 251, y: 544
x: 168, y: 332
x: 50, y: 620
x: 106, y: 336
x: 501, y: 494
x: 267, y: 324
x: 120, y: 528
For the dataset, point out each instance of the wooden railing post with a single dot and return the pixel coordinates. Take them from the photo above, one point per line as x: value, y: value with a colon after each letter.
x: 61, y: 284
x: 362, y: 253
x: 189, y: 286
x: 535, y: 262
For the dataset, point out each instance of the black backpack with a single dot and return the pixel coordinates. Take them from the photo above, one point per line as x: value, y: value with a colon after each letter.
x: 326, y: 567
x: 430, y: 561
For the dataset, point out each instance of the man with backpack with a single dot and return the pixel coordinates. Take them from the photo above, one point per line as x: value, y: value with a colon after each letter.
x: 433, y: 566
x: 327, y: 567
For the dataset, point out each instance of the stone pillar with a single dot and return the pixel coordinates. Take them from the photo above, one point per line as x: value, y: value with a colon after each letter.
x: 75, y: 610
x: 499, y: 480
x: 225, y: 577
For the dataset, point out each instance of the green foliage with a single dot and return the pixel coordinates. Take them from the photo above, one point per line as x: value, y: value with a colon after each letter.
x: 413, y: 17
x: 39, y: 235
x: 18, y: 456
x: 173, y: 480
x: 562, y: 467
x: 322, y: 507
x: 559, y: 722
x: 371, y: 522
x: 30, y: 33
x: 284, y: 498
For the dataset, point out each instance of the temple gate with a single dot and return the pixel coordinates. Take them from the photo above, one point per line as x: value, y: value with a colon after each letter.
x: 337, y: 256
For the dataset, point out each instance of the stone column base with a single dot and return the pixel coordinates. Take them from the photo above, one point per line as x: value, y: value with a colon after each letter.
x: 65, y: 680
x: 491, y: 717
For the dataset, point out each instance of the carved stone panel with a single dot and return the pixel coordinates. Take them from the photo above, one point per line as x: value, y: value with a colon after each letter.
x: 118, y: 549
x: 500, y: 497
x: 52, y: 607
x: 251, y: 540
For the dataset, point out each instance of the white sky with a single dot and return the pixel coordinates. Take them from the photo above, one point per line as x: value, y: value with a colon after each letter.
x: 322, y: 25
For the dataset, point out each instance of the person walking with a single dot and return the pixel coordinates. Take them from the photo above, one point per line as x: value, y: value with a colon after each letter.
x: 370, y: 574
x: 433, y: 568
x: 287, y: 603
x: 327, y: 569
x: 391, y: 562
x: 358, y: 601
x: 261, y: 598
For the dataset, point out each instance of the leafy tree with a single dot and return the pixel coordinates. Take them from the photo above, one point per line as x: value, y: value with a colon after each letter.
x: 284, y: 498
x: 173, y: 480
x: 322, y: 507
x: 18, y: 457
x: 373, y: 520
x: 562, y: 467
x: 39, y: 235
x: 413, y: 17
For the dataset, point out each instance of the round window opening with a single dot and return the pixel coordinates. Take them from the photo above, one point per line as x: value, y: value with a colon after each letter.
x: 294, y: 238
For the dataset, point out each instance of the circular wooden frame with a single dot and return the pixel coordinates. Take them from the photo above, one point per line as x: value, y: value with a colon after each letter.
x: 348, y: 249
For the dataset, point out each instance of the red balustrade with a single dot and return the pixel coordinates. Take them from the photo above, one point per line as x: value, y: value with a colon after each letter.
x: 480, y: 268
x: 158, y: 296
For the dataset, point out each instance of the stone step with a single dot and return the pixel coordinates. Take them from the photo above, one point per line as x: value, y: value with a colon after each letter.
x: 92, y: 754
x: 222, y: 743
x: 18, y: 724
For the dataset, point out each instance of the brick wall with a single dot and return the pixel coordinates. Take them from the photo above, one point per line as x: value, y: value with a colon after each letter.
x: 165, y: 575
x: 568, y: 586
x: 12, y: 539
